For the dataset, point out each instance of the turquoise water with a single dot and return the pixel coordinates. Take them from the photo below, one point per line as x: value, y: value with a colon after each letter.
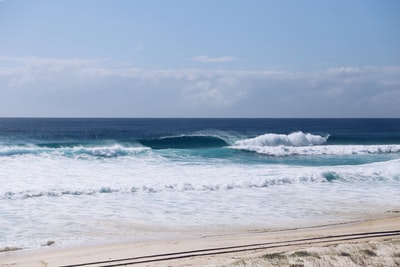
x: 109, y: 180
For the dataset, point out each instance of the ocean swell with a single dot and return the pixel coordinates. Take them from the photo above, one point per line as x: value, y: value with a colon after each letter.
x: 184, y: 142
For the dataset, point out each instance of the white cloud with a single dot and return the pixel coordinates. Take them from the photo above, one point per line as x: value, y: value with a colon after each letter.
x: 33, y: 86
x: 33, y: 70
x: 206, y: 59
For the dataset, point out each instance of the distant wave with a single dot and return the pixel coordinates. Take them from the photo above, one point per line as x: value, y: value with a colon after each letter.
x: 111, y: 149
x: 184, y: 141
x: 102, y: 151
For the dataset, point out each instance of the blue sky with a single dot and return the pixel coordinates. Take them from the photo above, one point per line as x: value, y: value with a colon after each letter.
x: 187, y: 58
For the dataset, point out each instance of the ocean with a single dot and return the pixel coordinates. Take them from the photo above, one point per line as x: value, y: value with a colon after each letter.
x: 92, y: 181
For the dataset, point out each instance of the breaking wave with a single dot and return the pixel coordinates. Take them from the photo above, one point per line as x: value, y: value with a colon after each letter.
x: 340, y: 150
x: 303, y: 144
x: 101, y: 151
x: 295, y: 139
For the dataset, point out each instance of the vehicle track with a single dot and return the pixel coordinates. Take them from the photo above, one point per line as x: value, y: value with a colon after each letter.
x: 234, y: 249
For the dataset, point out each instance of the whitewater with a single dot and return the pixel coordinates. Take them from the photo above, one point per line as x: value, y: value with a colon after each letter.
x: 80, y: 181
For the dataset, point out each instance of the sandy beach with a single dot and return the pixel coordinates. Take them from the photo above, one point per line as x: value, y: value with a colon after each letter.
x: 373, y: 242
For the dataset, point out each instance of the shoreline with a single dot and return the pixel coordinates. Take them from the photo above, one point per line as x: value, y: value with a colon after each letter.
x: 219, y: 249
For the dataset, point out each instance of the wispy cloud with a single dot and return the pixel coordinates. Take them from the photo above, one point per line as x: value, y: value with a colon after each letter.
x: 31, y: 86
x: 207, y: 59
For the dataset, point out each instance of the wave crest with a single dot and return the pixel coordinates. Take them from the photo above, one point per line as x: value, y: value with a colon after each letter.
x: 305, y: 144
x: 102, y: 151
x: 295, y: 139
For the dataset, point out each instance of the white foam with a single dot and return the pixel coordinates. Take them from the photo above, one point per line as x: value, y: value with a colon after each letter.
x: 59, y: 176
x: 113, y: 150
x: 299, y: 143
x: 295, y: 139
x: 75, y: 195
x: 339, y: 150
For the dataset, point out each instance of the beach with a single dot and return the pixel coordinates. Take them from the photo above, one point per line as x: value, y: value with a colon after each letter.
x: 170, y: 192
x: 199, y: 133
x: 374, y: 242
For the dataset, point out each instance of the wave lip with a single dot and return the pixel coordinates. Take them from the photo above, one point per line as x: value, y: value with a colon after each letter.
x: 295, y: 139
x: 184, y: 142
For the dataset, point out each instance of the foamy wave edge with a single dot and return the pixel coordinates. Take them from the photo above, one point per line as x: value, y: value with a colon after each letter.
x: 74, y: 151
x: 382, y: 171
x: 303, y: 144
x: 295, y: 139
x: 283, y: 151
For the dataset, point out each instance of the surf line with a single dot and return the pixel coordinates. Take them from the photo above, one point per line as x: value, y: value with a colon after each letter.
x: 235, y: 249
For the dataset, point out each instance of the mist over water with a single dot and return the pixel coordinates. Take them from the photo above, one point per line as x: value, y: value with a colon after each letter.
x: 107, y: 180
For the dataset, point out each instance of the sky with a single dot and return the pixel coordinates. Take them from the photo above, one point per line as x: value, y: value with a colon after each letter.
x: 208, y: 58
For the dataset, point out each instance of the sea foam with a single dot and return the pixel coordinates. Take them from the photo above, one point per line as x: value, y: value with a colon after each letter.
x: 57, y: 177
x: 303, y: 144
x: 340, y: 150
x: 99, y: 151
x: 294, y: 139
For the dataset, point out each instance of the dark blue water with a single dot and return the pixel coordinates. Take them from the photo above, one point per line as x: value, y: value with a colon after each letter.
x: 341, y: 131
x: 211, y: 137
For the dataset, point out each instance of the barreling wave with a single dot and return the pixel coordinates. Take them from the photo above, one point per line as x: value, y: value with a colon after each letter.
x: 107, y: 149
x: 184, y: 142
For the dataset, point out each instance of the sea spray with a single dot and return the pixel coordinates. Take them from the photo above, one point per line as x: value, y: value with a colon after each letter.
x: 294, y: 139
